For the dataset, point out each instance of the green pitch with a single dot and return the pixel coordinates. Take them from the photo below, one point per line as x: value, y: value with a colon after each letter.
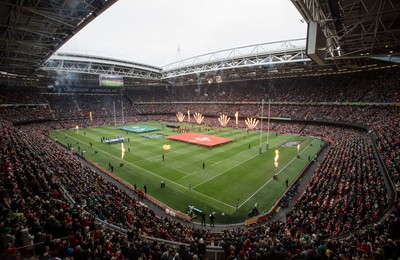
x: 235, y: 177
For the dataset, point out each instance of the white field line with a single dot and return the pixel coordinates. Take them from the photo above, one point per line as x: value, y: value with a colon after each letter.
x: 271, y: 178
x: 231, y: 168
x: 188, y: 175
x: 169, y: 181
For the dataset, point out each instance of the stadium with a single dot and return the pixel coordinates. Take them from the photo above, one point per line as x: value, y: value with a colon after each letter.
x: 282, y: 150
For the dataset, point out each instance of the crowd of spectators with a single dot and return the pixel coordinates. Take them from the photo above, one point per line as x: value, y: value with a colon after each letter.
x: 347, y: 193
x: 23, y: 113
x: 368, y: 86
x: 71, y: 105
x: 34, y: 170
x: 34, y: 174
x: 20, y: 95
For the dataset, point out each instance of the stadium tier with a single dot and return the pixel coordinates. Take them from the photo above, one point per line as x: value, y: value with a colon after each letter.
x: 58, y: 202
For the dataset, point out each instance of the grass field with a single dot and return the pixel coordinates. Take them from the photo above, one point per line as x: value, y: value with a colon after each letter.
x: 236, y: 175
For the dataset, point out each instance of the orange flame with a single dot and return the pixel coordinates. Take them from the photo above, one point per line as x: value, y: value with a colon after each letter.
x: 237, y: 117
x: 122, y: 151
x: 276, y: 158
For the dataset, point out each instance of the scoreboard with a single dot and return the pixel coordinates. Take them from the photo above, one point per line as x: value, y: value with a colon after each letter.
x: 111, y: 80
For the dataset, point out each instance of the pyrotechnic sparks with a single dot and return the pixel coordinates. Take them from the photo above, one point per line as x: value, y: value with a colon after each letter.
x: 77, y: 128
x: 237, y: 118
x: 166, y: 147
x: 223, y: 120
x: 180, y: 116
x: 122, y: 151
x: 90, y: 116
x: 298, y: 148
x: 251, y: 123
x: 276, y: 158
x: 198, y: 117
x: 188, y: 116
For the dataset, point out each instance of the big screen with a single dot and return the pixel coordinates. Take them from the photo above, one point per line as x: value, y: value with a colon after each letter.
x: 111, y: 81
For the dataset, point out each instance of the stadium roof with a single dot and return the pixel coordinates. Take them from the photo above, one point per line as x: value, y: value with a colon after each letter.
x: 31, y: 31
x: 359, y: 34
x: 355, y: 28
